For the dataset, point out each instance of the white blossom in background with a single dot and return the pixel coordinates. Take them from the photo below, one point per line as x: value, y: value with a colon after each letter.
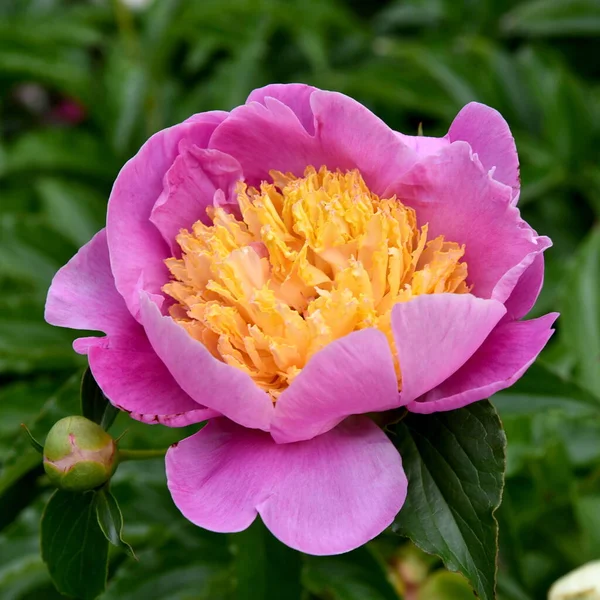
x: 581, y: 584
x: 136, y: 4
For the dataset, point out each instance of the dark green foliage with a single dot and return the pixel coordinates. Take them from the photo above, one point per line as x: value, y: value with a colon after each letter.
x: 455, y: 463
x: 94, y: 404
x: 73, y: 545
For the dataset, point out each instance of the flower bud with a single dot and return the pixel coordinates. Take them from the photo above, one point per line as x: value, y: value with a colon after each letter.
x: 583, y: 584
x: 79, y: 455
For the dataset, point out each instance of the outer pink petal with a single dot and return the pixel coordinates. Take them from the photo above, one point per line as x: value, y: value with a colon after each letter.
x: 452, y: 192
x: 137, y: 249
x: 435, y: 335
x: 527, y: 289
x: 272, y: 135
x: 207, y: 380
x: 189, y: 188
x: 294, y: 95
x: 353, y: 375
x: 83, y: 296
x: 135, y: 380
x: 502, y: 359
x: 489, y: 136
x: 323, y: 496
x: 83, y: 293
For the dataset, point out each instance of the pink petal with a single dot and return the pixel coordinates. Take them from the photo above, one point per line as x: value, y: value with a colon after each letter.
x: 436, y: 334
x: 135, y: 380
x: 527, y: 289
x: 83, y: 296
x: 502, y: 359
x: 137, y: 249
x: 489, y: 136
x: 189, y: 188
x: 267, y: 136
x: 423, y: 145
x: 353, y: 375
x: 353, y: 137
x: 323, y: 496
x: 83, y: 293
x: 452, y: 192
x: 207, y: 380
x: 271, y: 135
x: 294, y: 95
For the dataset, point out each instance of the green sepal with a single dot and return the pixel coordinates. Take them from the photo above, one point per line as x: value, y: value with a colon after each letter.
x: 34, y: 443
x: 110, y: 519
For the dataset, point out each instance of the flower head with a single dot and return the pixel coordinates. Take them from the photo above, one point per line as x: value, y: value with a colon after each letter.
x: 311, y: 260
x: 288, y: 268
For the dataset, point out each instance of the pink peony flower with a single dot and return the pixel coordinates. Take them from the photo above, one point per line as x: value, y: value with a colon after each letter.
x: 284, y: 270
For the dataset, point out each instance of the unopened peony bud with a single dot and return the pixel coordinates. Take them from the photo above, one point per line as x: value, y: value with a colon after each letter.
x: 581, y: 584
x: 79, y: 455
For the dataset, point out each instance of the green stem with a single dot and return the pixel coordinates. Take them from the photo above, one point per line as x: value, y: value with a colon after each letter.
x: 141, y: 454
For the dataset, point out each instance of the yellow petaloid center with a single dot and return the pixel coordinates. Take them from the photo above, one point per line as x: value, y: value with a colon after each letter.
x: 313, y: 259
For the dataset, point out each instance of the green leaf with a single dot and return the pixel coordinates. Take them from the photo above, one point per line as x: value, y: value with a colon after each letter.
x: 455, y: 465
x: 357, y: 575
x: 74, y: 210
x: 94, y: 404
x: 23, y: 574
x: 110, y: 519
x: 554, y: 18
x: 22, y: 491
x: 73, y: 545
x: 73, y: 151
x: 126, y: 82
x: 580, y: 308
x: 265, y: 568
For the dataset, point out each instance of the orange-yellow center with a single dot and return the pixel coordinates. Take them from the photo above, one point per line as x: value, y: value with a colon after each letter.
x: 313, y: 259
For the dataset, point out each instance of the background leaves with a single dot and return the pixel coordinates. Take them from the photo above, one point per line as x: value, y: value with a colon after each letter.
x: 83, y: 83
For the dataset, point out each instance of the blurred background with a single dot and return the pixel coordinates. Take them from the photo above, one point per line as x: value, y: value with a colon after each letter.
x: 84, y: 83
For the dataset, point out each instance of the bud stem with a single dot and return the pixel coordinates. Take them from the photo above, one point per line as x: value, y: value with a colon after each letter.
x: 141, y: 454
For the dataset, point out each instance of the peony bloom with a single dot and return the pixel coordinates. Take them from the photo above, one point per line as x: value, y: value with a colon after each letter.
x: 581, y: 584
x: 287, y: 268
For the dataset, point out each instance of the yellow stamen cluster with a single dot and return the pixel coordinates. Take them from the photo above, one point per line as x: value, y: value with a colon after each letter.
x: 313, y: 259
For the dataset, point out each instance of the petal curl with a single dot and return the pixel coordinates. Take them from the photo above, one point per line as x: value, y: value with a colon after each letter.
x: 527, y: 289
x: 436, y: 334
x: 137, y: 249
x: 502, y: 359
x: 208, y: 381
x: 294, y: 95
x: 452, y: 192
x: 270, y: 135
x: 489, y: 136
x: 352, y: 375
x: 190, y: 185
x: 353, y: 137
x: 323, y: 496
